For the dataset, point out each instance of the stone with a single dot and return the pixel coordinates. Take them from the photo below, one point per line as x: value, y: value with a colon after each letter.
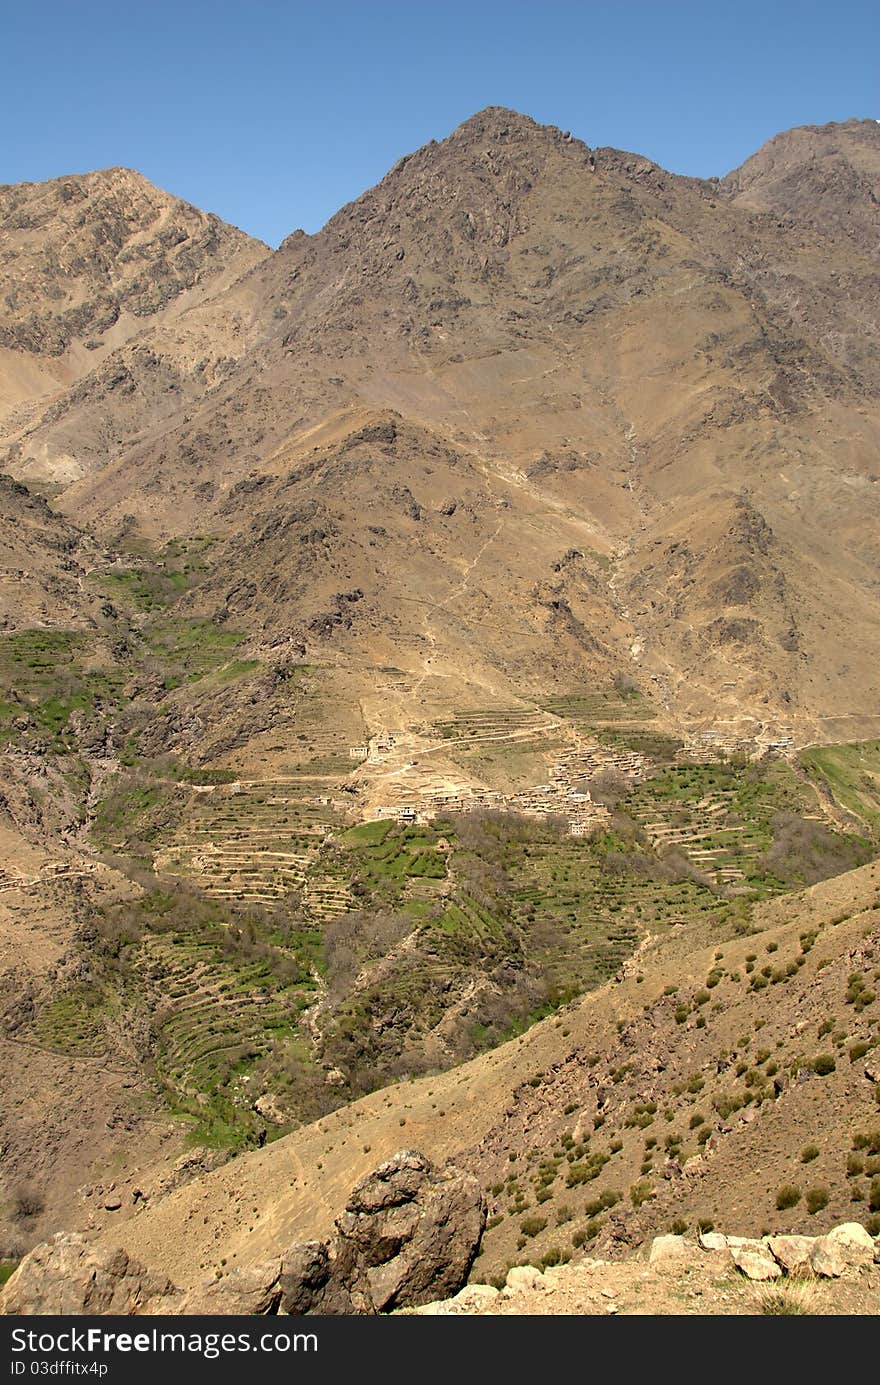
x: 307, y: 1281
x: 522, y: 1278
x: 668, y: 1248
x: 70, y: 1275
x: 409, y: 1234
x: 475, y: 1296
x: 872, y: 1066
x: 844, y: 1250
x: 755, y: 1261
x: 791, y: 1252
x: 254, y: 1291
x: 270, y: 1108
x: 713, y: 1240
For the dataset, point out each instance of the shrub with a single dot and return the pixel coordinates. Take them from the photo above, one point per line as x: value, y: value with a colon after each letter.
x: 643, y: 1190
x: 792, y: 1300
x: 532, y: 1226
x: 809, y: 1153
x: 816, y: 1199
x: 555, y: 1256
x: 788, y: 1196
x: 27, y: 1202
x: 874, y: 1196
x: 823, y: 1064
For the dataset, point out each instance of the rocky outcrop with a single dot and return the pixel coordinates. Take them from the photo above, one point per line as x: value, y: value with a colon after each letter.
x: 69, y: 1275
x: 409, y: 1234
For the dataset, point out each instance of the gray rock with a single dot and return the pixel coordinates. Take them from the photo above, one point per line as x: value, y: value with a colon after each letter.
x: 522, y: 1278
x: 254, y: 1291
x: 669, y: 1250
x: 308, y: 1284
x: 409, y: 1234
x: 713, y: 1240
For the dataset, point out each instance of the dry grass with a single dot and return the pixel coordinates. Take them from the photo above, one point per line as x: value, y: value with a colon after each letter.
x: 795, y: 1298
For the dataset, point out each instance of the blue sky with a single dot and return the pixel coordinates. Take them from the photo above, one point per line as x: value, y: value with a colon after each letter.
x: 274, y: 114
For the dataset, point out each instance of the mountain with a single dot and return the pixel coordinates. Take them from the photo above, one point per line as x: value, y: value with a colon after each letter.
x: 601, y: 349
x: 87, y: 262
x: 826, y: 177
x: 439, y: 689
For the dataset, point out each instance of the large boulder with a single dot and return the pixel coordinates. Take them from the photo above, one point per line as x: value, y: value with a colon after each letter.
x: 670, y: 1252
x: 753, y: 1259
x: 844, y: 1250
x: 309, y: 1283
x: 409, y: 1234
x: 254, y: 1291
x: 70, y: 1275
x: 791, y: 1252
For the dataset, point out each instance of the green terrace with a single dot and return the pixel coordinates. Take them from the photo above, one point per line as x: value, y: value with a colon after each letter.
x: 752, y: 827
x: 381, y: 858
x: 590, y: 709
x: 154, y: 581
x: 851, y: 773
x: 188, y: 651
x: 222, y: 990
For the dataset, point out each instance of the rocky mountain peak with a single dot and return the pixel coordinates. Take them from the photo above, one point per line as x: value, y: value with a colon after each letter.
x: 825, y: 175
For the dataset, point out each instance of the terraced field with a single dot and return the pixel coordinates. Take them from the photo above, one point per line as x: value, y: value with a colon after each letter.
x: 851, y: 774
x: 256, y: 841
x: 490, y: 724
x: 729, y: 821
x: 215, y: 1020
x: 600, y: 708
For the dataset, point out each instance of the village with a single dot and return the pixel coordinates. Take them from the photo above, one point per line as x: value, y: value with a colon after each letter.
x: 419, y: 795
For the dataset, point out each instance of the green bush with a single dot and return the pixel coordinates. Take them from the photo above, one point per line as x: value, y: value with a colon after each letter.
x: 532, y: 1226
x: 823, y: 1064
x: 788, y: 1196
x: 643, y: 1190
x: 816, y: 1199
